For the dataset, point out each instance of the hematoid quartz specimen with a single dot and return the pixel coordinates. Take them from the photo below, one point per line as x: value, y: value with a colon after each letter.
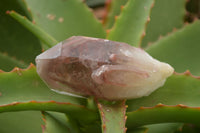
x: 101, y: 68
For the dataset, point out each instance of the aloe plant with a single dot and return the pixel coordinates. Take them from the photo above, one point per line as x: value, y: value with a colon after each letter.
x: 28, y: 105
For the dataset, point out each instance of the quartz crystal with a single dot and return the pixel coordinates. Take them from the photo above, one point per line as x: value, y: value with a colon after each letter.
x: 101, y: 68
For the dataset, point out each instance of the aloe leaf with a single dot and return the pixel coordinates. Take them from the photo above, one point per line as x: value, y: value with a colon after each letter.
x: 7, y: 62
x: 166, y: 15
x: 23, y: 90
x: 163, y: 128
x: 113, y: 9
x: 180, y: 49
x: 178, y: 89
x: 163, y: 114
x: 94, y: 3
x: 188, y: 128
x: 25, y: 85
x: 130, y: 25
x: 77, y: 111
x: 43, y: 36
x: 138, y: 130
x: 70, y: 19
x: 157, y: 128
x: 21, y: 122
x: 192, y: 8
x: 93, y: 127
x: 179, y: 103
x: 113, y: 117
x: 16, y: 41
x: 58, y: 123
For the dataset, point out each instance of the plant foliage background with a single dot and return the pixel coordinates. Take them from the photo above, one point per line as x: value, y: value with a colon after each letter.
x: 167, y: 29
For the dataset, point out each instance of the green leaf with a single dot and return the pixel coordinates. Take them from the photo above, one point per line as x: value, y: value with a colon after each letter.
x: 25, y: 85
x: 165, y: 16
x: 188, y: 128
x: 23, y: 90
x: 113, y: 8
x: 138, y: 130
x: 58, y: 123
x: 157, y: 128
x: 163, y: 114
x: 113, y: 117
x: 163, y: 128
x: 94, y: 3
x: 21, y: 122
x: 43, y: 36
x: 192, y: 8
x: 7, y: 62
x: 180, y: 49
x: 178, y: 89
x: 94, y: 127
x: 76, y: 111
x: 65, y: 18
x: 131, y: 24
x: 19, y: 45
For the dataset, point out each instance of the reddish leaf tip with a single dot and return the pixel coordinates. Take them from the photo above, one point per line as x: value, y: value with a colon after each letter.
x: 153, y: 5
x: 33, y: 21
x: 160, y: 37
x: 126, y: 118
x: 25, y: 17
x: 186, y: 23
x: 116, y: 18
x: 104, y: 126
x: 122, y: 7
x: 141, y: 108
x: 143, y: 34
x: 148, y: 19
x: 174, y: 29
x: 108, y: 1
x: 44, y: 120
x: 160, y: 105
x: 29, y: 10
x: 7, y: 12
x: 107, y: 31
x: 125, y: 129
x: 196, y: 19
x: 182, y: 106
x: 43, y: 128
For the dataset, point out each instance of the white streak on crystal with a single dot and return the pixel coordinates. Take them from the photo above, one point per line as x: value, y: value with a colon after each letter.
x: 66, y: 93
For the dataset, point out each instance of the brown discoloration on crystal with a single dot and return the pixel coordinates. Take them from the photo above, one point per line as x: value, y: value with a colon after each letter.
x: 98, y: 67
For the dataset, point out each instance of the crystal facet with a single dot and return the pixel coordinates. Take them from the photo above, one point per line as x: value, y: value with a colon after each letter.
x: 101, y: 68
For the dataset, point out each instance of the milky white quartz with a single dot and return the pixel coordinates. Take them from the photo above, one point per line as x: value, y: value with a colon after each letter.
x: 101, y: 68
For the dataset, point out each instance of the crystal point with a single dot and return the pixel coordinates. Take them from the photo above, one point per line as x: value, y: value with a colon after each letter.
x: 101, y: 68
